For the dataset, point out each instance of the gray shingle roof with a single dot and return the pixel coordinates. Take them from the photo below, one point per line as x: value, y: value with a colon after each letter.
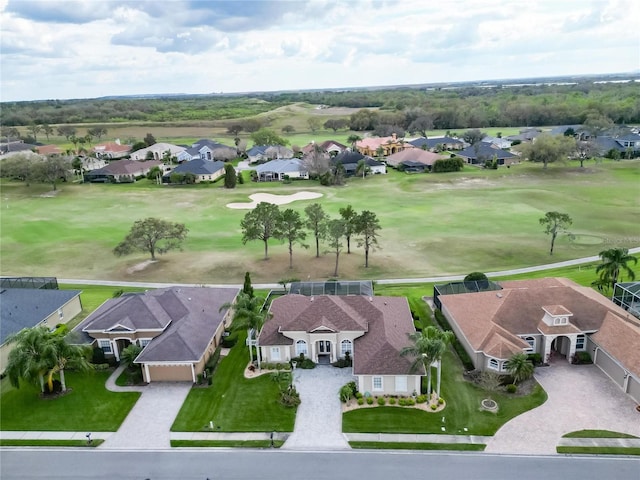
x: 199, y: 167
x: 26, y: 307
x: 486, y: 151
x: 282, y: 165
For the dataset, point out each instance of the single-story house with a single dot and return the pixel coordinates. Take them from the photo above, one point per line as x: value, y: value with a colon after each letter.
x: 325, y: 327
x: 276, y: 170
x: 413, y: 159
x: 30, y: 307
x: 49, y: 150
x: 121, y: 171
x: 16, y: 146
x: 159, y: 151
x: 525, y: 135
x: 331, y: 147
x: 207, y: 150
x: 551, y: 317
x: 350, y: 160
x: 479, y: 153
x: 369, y: 146
x: 435, y: 143
x: 179, y: 328
x: 261, y: 153
x: 204, y: 170
x: 627, y: 145
x: 497, y: 142
x: 111, y: 150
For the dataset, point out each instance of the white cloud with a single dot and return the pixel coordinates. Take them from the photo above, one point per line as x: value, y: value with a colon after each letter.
x: 95, y: 48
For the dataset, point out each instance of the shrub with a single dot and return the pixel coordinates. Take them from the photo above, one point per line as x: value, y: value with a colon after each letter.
x: 358, y: 395
x: 101, y: 367
x: 229, y: 341
x: 117, y: 293
x: 307, y: 364
x: 433, y: 407
x: 409, y: 402
x: 512, y: 388
x: 582, y: 358
x: 381, y: 401
x: 535, y: 358
x: 361, y: 401
x: 346, y: 393
x: 392, y: 401
x: 440, y: 401
x: 212, y: 363
x: 421, y: 399
x: 369, y: 400
x: 354, y: 388
x: 454, y: 164
x: 290, y: 397
x: 97, y: 356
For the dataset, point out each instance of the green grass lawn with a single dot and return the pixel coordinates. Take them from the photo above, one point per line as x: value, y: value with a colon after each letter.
x: 227, y: 443
x: 50, y: 443
x: 462, y: 411
x: 600, y: 450
x: 432, y: 224
x: 234, y: 403
x: 88, y: 406
x: 419, y: 446
x: 597, y: 434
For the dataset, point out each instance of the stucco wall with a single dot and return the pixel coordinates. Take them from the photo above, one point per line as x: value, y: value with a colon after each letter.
x: 365, y: 384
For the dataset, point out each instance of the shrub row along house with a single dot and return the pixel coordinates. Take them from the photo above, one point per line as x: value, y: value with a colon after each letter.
x: 553, y: 317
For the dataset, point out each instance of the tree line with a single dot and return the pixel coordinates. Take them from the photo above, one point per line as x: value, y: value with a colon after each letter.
x: 467, y: 107
x: 267, y: 222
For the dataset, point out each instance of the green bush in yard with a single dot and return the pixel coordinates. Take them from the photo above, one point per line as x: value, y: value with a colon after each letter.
x: 512, y: 388
x: 369, y: 400
x: 381, y: 401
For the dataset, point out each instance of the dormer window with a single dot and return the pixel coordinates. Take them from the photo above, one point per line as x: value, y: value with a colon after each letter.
x: 560, y: 321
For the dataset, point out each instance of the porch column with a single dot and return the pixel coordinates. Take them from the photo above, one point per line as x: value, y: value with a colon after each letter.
x: 313, y: 351
x: 146, y: 372
x: 572, y: 347
x: 546, y: 350
x: 193, y: 374
x: 114, y: 347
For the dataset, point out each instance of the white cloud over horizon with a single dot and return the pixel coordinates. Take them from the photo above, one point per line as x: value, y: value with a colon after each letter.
x: 92, y: 48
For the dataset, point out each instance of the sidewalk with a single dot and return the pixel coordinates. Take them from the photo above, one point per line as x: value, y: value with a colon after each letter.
x: 416, y: 438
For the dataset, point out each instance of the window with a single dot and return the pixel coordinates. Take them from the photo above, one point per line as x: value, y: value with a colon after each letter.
x: 493, y: 364
x: 401, y: 384
x: 580, y: 340
x: 105, y: 345
x: 377, y: 383
x: 560, y: 321
x: 301, y: 348
x: 531, y: 341
x: 345, y: 346
x: 275, y: 354
x: 144, y: 342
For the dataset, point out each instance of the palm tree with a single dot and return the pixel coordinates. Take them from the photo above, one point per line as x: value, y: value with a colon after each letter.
x: 353, y: 140
x: 519, y: 367
x: 428, y: 347
x: 614, y: 262
x: 38, y: 352
x: 247, y: 314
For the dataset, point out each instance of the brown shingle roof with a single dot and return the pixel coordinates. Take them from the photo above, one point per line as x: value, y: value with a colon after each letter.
x: 620, y: 337
x: 413, y: 155
x: 128, y: 167
x: 386, y: 321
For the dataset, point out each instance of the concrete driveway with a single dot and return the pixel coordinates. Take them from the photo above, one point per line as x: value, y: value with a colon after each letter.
x: 319, y: 418
x: 148, y: 425
x: 580, y: 397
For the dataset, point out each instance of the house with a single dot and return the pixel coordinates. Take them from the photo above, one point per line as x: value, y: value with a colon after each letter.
x: 628, y: 145
x: 276, y: 170
x: 178, y: 327
x: 204, y: 170
x: 437, y: 143
x: 262, y: 153
x: 369, y: 146
x: 48, y: 150
x: 30, y: 307
x: 16, y: 146
x: 497, y: 142
x: 157, y: 151
x: 413, y: 160
x: 526, y: 135
x: 121, y: 171
x: 554, y: 317
x: 331, y: 147
x: 324, y: 328
x: 350, y: 160
x: 479, y: 153
x: 207, y: 150
x: 111, y: 150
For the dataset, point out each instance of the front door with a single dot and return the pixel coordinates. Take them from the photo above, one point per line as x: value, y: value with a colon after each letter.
x: 324, y: 346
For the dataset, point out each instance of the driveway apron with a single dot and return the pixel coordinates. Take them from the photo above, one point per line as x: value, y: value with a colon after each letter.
x: 319, y: 418
x: 148, y: 425
x: 580, y: 397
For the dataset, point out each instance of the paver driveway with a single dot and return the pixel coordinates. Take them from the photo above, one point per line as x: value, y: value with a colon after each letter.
x: 319, y: 418
x: 580, y: 397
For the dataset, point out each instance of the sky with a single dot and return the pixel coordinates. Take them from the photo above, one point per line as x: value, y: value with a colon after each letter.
x: 84, y: 49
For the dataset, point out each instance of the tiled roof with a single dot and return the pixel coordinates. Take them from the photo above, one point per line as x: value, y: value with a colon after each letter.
x: 386, y: 322
x: 48, y: 150
x: 26, y: 307
x: 416, y: 155
x: 374, y: 142
x: 111, y: 147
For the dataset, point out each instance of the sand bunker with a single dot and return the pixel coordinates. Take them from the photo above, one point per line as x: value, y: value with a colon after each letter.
x: 256, y: 198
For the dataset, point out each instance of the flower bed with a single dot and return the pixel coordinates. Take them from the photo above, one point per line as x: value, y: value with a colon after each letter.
x: 433, y: 405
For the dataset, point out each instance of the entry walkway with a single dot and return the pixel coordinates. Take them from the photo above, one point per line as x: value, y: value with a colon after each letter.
x: 580, y: 397
x: 319, y: 419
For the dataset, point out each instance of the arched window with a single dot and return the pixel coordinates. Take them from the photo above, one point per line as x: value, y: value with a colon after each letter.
x: 493, y: 364
x: 301, y: 348
x: 345, y: 346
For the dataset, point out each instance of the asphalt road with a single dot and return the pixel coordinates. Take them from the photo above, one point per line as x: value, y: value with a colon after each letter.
x: 69, y: 464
